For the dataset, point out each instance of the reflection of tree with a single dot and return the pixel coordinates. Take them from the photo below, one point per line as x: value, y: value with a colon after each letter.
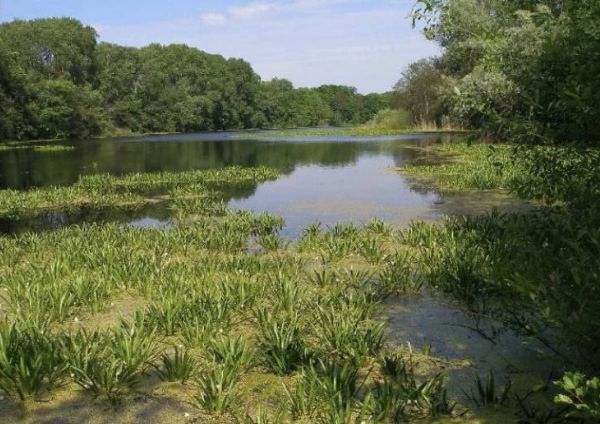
x: 21, y: 169
x: 25, y: 168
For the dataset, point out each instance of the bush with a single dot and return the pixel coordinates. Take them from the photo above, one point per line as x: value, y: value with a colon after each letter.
x: 395, y: 119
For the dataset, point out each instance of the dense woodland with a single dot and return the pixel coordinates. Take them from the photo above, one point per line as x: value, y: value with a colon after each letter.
x: 57, y: 81
x: 520, y: 70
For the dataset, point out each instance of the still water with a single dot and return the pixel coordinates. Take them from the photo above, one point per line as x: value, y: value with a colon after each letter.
x: 326, y: 179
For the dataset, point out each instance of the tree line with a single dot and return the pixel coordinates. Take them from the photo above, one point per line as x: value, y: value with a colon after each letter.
x: 520, y: 70
x: 57, y: 81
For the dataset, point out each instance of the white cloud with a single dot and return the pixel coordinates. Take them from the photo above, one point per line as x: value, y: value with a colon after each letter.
x: 213, y: 18
x: 251, y: 10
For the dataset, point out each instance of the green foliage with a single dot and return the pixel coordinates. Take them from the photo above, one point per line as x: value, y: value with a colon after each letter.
x: 233, y: 353
x: 395, y: 119
x: 581, y: 393
x: 31, y: 362
x: 127, y: 192
x: 418, y: 95
x: 217, y: 388
x: 180, y: 366
x: 112, y: 363
x: 522, y: 70
x: 281, y: 342
x: 349, y: 334
x: 486, y: 394
x: 57, y: 82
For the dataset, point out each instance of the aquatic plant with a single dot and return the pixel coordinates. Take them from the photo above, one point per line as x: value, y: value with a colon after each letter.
x: 486, y: 394
x: 112, y: 363
x: 393, y: 365
x: 128, y: 191
x: 180, y: 366
x: 372, y: 251
x: 398, y: 277
x: 281, y: 342
x: 31, y: 362
x: 232, y: 353
x: 322, y: 277
x: 303, y: 399
x: 272, y: 242
x: 344, y: 332
x: 217, y: 388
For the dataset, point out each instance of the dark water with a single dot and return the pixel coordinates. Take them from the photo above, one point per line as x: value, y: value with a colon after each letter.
x: 326, y: 178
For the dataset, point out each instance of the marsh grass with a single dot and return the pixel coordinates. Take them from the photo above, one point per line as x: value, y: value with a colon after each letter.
x: 487, y: 393
x: 217, y: 389
x: 31, y: 362
x: 281, y: 341
x: 180, y: 366
x: 130, y: 191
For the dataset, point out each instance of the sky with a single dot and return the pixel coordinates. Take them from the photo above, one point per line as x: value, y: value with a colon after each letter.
x: 361, y: 43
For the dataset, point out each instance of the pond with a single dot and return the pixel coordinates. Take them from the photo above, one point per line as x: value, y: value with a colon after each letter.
x: 327, y: 178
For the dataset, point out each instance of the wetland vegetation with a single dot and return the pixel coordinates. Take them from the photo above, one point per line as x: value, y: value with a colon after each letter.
x: 224, y: 316
x: 228, y: 312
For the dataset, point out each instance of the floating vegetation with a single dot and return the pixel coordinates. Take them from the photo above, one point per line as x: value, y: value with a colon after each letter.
x: 360, y: 131
x: 53, y: 148
x: 41, y: 148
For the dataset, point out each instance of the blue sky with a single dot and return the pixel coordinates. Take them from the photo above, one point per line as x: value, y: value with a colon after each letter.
x: 363, y: 43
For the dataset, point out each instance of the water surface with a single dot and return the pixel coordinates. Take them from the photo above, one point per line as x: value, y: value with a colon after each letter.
x: 324, y: 178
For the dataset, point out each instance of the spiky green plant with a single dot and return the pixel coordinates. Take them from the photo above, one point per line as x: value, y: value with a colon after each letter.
x: 31, y: 362
x: 233, y: 353
x: 217, y: 388
x: 281, y: 342
x: 180, y: 366
x: 486, y: 394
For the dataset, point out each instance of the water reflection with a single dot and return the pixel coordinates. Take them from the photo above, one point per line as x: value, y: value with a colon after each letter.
x: 326, y: 179
x: 26, y: 168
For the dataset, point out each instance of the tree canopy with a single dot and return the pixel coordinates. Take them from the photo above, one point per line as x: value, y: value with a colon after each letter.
x: 57, y: 81
x: 525, y: 70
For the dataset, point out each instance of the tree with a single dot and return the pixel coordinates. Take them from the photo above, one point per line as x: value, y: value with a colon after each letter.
x: 65, y: 110
x: 541, y: 54
x: 419, y: 91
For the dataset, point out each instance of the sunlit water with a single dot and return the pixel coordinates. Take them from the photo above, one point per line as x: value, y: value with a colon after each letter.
x: 325, y: 178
